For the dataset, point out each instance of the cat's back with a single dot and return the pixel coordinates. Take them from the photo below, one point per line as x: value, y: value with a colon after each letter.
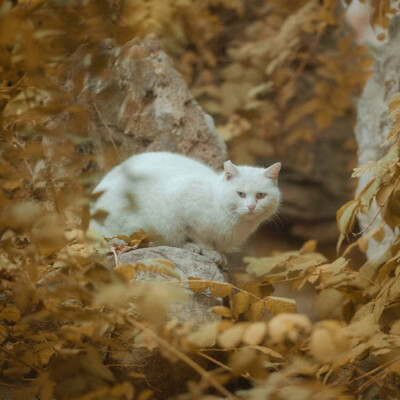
x: 147, y: 191
x: 164, y: 165
x: 159, y: 170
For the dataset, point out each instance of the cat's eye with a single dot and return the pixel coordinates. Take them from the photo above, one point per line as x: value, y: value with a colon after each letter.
x: 241, y: 194
x: 260, y: 196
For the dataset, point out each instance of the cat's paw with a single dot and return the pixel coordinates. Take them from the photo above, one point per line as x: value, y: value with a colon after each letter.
x: 193, y: 247
x: 216, y: 256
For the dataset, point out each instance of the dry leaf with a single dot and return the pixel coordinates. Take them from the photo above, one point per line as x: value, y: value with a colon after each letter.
x: 231, y: 337
x: 279, y: 305
x: 240, y: 303
x: 255, y: 333
x: 205, y: 336
x: 222, y: 311
x: 256, y: 311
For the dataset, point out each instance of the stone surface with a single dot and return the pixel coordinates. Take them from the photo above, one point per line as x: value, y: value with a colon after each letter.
x: 187, y: 264
x: 373, y: 123
x: 169, y: 379
x: 138, y: 102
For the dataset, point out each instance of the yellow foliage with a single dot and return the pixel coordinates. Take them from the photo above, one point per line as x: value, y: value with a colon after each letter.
x: 63, y: 312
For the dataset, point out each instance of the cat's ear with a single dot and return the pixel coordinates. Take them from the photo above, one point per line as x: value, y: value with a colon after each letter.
x: 272, y: 172
x: 230, y: 170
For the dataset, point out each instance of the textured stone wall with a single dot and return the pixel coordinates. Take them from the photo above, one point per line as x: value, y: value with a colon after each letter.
x: 373, y: 122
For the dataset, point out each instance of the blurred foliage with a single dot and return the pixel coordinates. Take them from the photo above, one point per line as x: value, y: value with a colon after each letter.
x: 272, y: 66
x: 68, y: 322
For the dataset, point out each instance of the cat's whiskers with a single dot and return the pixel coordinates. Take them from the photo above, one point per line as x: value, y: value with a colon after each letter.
x: 233, y: 212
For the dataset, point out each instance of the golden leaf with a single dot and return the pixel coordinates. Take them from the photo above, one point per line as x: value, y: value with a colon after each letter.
x: 255, y: 333
x: 256, y: 311
x: 244, y: 359
x: 231, y: 337
x: 240, y: 303
x: 326, y: 301
x: 197, y: 285
x: 156, y: 298
x: 279, y: 305
x: 309, y: 247
x: 128, y: 271
x: 16, y: 371
x: 267, y: 351
x: 12, y: 185
x: 288, y: 326
x: 345, y: 218
x: 122, y: 390
x: 222, y: 311
x: 3, y: 333
x: 329, y: 340
x: 204, y: 336
x: 146, y: 395
x: 158, y: 266
x: 45, y: 354
x: 220, y: 289
x: 10, y: 313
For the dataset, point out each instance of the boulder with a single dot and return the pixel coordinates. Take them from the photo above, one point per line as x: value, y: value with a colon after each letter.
x: 187, y: 264
x: 138, y: 102
x: 166, y: 377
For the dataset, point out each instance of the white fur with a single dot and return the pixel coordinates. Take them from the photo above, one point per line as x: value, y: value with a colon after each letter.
x: 185, y: 201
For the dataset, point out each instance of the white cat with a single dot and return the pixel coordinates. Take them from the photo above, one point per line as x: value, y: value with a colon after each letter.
x: 186, y: 202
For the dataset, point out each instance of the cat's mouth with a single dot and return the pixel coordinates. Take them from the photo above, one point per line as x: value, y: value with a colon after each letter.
x: 250, y: 213
x: 247, y: 214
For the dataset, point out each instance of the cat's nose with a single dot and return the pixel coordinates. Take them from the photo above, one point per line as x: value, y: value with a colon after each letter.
x: 251, y: 207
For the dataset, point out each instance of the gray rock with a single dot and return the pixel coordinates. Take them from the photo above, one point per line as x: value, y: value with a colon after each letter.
x: 170, y: 379
x: 374, y: 123
x: 187, y: 264
x: 138, y: 102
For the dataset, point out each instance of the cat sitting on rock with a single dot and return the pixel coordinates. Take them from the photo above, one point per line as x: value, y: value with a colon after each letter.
x: 185, y: 202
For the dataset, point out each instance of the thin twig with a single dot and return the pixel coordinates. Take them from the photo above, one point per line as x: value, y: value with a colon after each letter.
x: 376, y: 369
x: 107, y: 128
x: 246, y: 376
x: 363, y: 277
x: 115, y: 255
x: 371, y: 378
x: 15, y: 141
x: 10, y: 386
x: 380, y: 207
x: 370, y: 223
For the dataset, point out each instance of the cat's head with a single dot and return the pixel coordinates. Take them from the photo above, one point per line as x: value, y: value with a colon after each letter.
x: 251, y: 192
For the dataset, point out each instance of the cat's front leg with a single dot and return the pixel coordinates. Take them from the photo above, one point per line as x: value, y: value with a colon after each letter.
x: 214, y: 255
x: 193, y: 247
